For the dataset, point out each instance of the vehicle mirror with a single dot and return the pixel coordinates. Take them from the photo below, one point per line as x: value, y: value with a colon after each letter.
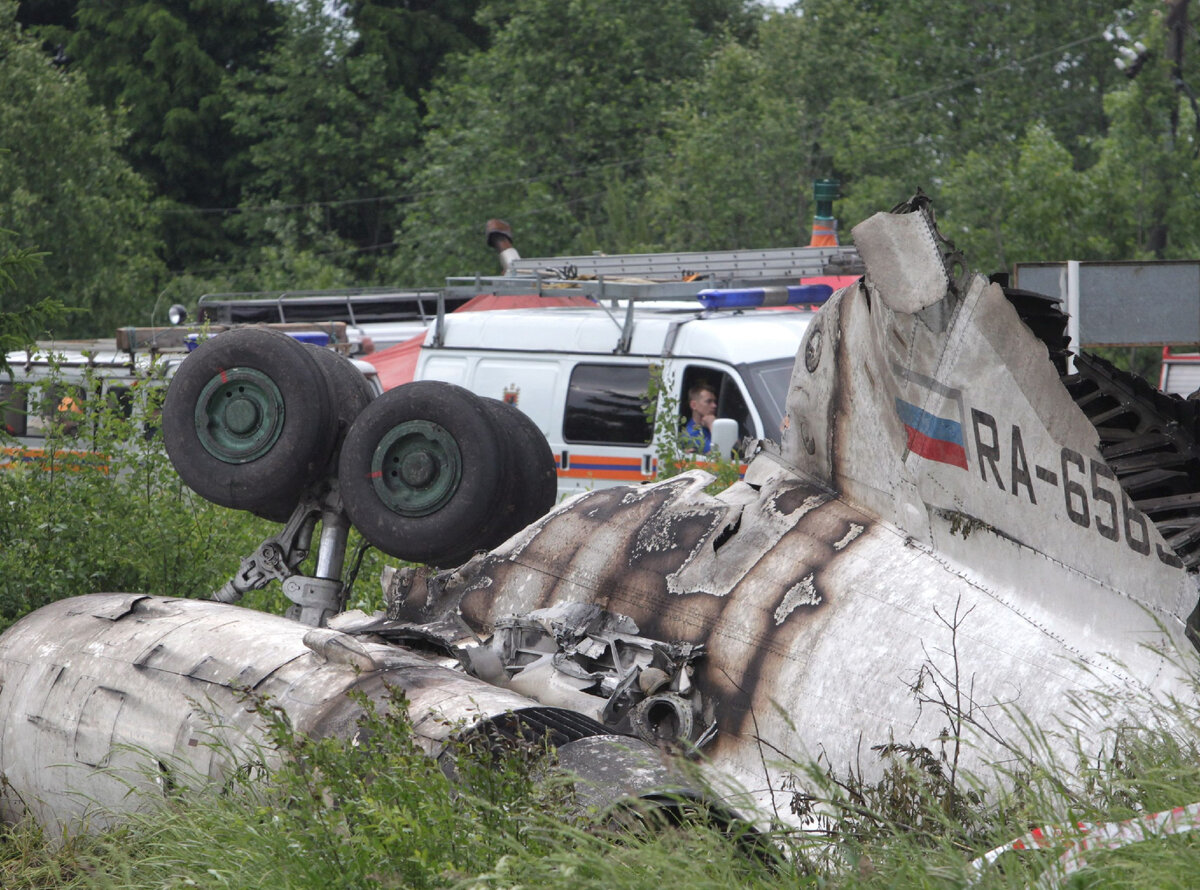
x: 724, y: 436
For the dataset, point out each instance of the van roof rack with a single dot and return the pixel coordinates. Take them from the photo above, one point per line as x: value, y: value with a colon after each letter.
x: 350, y: 305
x: 783, y: 262
x: 658, y: 276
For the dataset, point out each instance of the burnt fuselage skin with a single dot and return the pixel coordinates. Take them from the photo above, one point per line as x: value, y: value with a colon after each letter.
x: 937, y: 543
x: 939, y: 508
x: 112, y: 701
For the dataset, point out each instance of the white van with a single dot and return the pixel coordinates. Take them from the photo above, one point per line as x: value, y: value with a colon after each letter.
x: 48, y: 391
x: 47, y: 394
x: 583, y: 374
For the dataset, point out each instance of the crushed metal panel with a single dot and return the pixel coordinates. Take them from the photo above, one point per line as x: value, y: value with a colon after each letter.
x: 78, y: 750
x: 937, y: 483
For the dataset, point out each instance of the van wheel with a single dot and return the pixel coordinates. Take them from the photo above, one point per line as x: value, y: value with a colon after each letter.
x: 247, y: 421
x: 420, y: 472
x: 531, y: 467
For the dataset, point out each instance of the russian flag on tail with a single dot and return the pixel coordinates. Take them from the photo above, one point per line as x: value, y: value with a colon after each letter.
x: 932, y: 437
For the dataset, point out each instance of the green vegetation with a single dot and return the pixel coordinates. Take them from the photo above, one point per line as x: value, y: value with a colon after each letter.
x: 103, y: 509
x: 379, y: 813
x: 159, y: 149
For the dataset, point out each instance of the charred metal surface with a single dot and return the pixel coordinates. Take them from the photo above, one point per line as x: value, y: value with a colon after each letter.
x: 1151, y: 440
x: 748, y: 603
x: 97, y: 690
x: 580, y: 656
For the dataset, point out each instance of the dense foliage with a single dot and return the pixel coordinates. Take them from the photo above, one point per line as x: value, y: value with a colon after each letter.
x: 101, y: 508
x: 151, y: 150
x: 161, y: 148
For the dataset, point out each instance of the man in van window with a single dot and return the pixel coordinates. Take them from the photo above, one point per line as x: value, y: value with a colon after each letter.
x: 702, y: 401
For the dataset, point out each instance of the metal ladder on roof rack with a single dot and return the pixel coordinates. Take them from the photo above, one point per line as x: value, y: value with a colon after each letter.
x: 784, y: 262
x: 650, y: 277
x: 659, y: 276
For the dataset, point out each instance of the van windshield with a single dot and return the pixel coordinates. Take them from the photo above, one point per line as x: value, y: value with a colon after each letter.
x: 768, y: 385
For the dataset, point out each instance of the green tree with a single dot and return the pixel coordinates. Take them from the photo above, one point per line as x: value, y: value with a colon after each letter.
x: 1147, y: 166
x: 1028, y: 206
x: 327, y: 140
x: 65, y: 187
x: 541, y: 127
x: 886, y: 97
x: 19, y: 330
x: 165, y: 62
x: 964, y: 76
x: 413, y: 39
x: 735, y: 164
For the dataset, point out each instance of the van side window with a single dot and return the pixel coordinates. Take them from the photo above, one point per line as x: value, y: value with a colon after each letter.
x: 12, y: 405
x: 606, y: 405
x: 120, y: 401
x: 57, y: 404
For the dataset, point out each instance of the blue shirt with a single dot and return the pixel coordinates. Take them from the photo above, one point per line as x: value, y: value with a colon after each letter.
x: 701, y: 438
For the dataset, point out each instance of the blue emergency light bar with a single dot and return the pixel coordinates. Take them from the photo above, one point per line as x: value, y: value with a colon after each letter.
x: 746, y: 297
x: 316, y: 338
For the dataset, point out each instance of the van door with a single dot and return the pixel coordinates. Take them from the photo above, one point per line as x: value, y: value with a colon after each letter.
x: 530, y: 384
x: 686, y: 376
x: 606, y: 435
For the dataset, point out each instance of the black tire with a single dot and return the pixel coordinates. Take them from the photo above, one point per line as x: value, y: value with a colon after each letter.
x: 504, y: 514
x: 533, y: 478
x: 540, y: 470
x: 420, y: 471
x: 248, y: 422
x: 349, y: 392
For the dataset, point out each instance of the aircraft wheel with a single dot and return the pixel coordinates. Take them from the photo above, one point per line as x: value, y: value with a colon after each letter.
x: 349, y: 394
x: 248, y: 421
x: 528, y: 478
x: 420, y: 472
x: 531, y: 462
x: 349, y: 391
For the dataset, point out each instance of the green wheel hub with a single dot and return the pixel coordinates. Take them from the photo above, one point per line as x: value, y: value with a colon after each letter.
x: 416, y: 468
x: 239, y: 415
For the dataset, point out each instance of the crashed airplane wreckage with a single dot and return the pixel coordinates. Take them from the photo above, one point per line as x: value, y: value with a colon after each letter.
x: 947, y: 495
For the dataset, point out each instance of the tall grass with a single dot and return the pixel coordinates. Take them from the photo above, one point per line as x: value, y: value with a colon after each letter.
x: 379, y: 813
x: 123, y: 520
